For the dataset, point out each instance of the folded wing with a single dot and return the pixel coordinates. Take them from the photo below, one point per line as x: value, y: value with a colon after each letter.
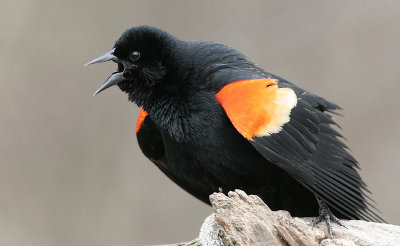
x: 291, y: 128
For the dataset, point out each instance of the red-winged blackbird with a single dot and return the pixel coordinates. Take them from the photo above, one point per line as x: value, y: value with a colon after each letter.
x: 212, y: 120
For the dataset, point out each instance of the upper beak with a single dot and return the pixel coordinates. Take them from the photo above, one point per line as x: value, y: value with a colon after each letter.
x: 109, y: 56
x: 114, y: 78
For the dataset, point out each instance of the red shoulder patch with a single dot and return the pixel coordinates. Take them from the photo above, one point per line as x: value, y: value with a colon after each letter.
x: 140, y: 120
x: 257, y: 107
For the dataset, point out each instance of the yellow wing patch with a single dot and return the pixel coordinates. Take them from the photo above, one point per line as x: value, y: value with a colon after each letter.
x: 257, y: 107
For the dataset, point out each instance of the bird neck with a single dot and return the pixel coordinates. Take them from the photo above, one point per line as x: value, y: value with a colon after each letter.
x: 170, y: 113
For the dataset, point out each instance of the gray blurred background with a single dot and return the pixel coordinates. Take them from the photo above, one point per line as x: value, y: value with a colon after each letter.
x: 71, y: 170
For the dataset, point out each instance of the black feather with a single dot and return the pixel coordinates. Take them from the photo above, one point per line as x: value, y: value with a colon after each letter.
x: 188, y: 135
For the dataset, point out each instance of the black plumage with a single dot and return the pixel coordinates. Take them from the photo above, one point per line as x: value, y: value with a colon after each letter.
x: 189, y: 136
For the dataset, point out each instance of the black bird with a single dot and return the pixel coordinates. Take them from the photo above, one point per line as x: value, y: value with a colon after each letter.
x: 212, y: 120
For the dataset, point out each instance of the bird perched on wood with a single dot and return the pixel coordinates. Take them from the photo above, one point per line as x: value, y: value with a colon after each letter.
x: 212, y: 120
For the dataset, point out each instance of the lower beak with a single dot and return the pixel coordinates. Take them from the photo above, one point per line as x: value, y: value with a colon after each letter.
x: 114, y: 79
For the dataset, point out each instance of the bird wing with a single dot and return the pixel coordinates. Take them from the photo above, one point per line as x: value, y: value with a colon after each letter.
x: 292, y: 129
x: 151, y: 143
x: 149, y: 137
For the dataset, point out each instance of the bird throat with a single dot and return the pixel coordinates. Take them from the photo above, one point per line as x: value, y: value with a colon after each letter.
x: 169, y: 113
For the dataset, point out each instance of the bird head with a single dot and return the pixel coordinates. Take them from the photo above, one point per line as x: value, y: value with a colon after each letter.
x: 142, y: 54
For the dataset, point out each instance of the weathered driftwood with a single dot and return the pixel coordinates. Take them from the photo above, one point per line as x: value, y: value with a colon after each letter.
x: 241, y: 219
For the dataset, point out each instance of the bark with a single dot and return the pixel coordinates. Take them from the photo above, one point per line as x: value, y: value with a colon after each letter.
x: 241, y: 219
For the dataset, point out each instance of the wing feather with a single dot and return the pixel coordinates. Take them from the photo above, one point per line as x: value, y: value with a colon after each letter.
x: 312, y: 151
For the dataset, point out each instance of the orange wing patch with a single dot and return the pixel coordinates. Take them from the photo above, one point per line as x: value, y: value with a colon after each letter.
x: 257, y: 107
x: 140, y: 120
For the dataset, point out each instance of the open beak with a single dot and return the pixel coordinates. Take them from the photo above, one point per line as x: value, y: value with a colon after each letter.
x: 114, y: 78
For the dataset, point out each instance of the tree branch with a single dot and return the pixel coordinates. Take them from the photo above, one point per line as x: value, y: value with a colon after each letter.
x: 241, y: 219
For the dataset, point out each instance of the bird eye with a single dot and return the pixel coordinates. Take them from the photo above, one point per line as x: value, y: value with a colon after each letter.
x: 134, y: 56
